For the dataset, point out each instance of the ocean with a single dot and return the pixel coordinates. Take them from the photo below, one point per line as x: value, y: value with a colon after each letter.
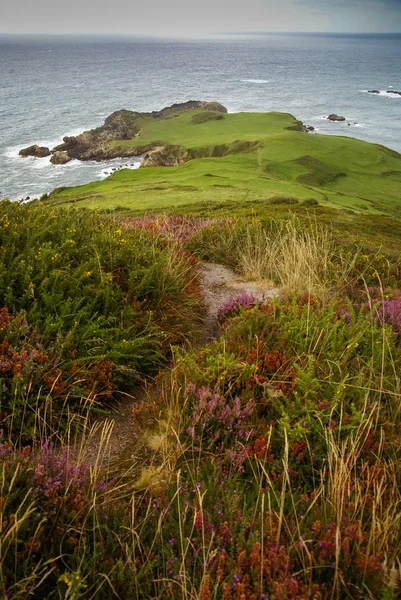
x: 57, y: 86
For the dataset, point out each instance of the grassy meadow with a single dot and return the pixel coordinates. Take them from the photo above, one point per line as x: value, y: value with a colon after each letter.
x: 263, y: 157
x: 270, y: 463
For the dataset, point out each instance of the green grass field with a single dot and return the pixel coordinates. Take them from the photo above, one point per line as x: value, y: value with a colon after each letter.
x: 258, y: 157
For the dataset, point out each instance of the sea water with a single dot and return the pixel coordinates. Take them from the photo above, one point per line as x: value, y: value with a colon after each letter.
x: 57, y: 86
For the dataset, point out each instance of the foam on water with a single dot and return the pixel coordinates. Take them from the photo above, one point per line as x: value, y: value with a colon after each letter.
x: 255, y: 80
x: 12, y: 152
x: 112, y: 166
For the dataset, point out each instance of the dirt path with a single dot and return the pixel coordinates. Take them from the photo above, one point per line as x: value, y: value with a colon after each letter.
x: 115, y: 441
x: 218, y: 285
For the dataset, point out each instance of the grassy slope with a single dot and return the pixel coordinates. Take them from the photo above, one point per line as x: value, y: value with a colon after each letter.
x: 336, y: 171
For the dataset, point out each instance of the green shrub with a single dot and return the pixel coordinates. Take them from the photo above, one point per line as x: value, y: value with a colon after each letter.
x: 99, y: 305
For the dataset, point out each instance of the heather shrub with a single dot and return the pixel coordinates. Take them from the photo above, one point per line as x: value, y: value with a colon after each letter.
x: 177, y: 227
x: 59, y: 524
x: 234, y: 305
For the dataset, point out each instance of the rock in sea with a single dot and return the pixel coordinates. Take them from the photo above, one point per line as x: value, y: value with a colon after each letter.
x: 334, y: 117
x: 35, y: 150
x: 60, y: 158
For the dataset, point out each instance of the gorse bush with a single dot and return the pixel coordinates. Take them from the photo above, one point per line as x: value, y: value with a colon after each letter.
x: 88, y: 308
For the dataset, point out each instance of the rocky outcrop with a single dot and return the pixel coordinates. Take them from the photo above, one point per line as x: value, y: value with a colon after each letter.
x: 387, y: 92
x: 35, y: 150
x: 119, y: 126
x: 60, y: 158
x: 176, y: 109
x: 92, y: 144
x: 334, y: 117
x: 167, y: 156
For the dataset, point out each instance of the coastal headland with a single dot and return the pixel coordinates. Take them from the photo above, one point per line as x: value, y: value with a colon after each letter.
x: 121, y: 125
x: 199, y: 153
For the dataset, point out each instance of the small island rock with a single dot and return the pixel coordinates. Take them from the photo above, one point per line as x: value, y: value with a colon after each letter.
x: 35, y: 150
x: 373, y: 91
x: 60, y: 158
x: 334, y: 117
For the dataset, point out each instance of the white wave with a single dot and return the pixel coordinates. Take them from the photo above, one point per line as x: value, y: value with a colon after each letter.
x: 39, y: 163
x: 255, y: 80
x: 118, y: 164
x: 12, y: 152
x: 68, y: 165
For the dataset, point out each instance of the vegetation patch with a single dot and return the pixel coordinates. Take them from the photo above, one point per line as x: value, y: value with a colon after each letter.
x: 319, y: 173
x: 269, y: 456
x: 203, y: 117
x: 237, y: 147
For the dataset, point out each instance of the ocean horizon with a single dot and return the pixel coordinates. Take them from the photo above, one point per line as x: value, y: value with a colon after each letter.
x: 54, y: 86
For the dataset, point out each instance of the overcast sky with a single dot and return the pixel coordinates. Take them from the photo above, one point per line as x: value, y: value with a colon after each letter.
x: 198, y: 17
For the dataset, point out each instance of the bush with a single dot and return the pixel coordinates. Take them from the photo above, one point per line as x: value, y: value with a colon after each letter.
x: 89, y: 308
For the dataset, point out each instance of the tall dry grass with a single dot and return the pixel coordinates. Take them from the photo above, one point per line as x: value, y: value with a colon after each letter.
x: 295, y: 258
